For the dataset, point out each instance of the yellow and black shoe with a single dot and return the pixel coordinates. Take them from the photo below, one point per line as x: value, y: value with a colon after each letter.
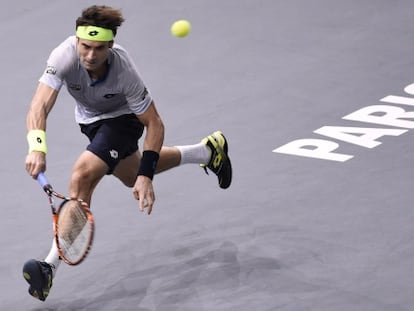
x: 219, y: 162
x: 39, y: 275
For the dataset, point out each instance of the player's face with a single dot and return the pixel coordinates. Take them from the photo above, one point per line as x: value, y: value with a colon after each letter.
x: 93, y: 54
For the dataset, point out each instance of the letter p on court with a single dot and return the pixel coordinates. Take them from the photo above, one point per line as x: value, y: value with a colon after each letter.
x: 314, y: 148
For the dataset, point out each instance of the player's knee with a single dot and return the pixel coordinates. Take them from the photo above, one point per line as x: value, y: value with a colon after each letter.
x: 84, y: 178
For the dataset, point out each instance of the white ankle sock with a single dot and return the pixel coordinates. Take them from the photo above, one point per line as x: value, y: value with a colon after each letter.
x: 198, y: 153
x: 53, y: 258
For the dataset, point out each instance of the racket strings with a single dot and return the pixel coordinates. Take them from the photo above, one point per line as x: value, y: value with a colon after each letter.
x: 73, y: 230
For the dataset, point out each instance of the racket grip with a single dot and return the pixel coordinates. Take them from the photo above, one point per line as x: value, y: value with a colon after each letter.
x: 44, y: 183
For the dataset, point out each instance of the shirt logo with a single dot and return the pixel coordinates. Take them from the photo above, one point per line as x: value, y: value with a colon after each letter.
x: 75, y: 87
x: 144, y: 94
x: 51, y: 70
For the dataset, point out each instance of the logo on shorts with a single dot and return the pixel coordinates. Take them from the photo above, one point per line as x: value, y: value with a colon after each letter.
x: 114, y: 154
x: 51, y: 70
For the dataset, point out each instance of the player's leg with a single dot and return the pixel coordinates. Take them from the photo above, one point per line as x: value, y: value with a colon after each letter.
x: 127, y: 169
x: 211, y: 152
x: 88, y: 170
x: 86, y: 174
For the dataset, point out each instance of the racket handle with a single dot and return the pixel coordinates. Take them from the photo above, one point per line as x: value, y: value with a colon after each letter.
x: 44, y: 183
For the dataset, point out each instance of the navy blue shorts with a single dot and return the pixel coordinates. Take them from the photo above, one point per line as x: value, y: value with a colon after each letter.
x: 113, y: 139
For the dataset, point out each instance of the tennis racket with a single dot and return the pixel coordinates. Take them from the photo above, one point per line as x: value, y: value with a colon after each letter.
x: 73, y: 224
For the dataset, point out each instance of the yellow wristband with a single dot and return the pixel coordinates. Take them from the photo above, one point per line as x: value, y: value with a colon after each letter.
x: 37, y: 140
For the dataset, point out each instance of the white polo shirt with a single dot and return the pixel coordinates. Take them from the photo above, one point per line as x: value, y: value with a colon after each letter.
x: 122, y: 91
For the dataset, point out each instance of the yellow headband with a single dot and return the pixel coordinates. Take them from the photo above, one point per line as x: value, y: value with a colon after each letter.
x: 94, y: 33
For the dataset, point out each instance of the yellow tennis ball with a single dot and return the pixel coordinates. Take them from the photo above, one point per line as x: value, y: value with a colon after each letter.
x: 181, y: 28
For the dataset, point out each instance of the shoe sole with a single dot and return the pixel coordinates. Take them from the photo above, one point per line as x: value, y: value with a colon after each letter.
x: 33, y: 275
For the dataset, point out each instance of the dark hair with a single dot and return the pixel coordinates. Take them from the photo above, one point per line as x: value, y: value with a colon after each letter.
x: 101, y: 16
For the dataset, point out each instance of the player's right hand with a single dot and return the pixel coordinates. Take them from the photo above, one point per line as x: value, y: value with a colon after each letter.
x: 35, y: 163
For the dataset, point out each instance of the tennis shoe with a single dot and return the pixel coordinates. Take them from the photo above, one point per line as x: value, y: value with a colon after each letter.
x: 39, y: 275
x: 219, y: 162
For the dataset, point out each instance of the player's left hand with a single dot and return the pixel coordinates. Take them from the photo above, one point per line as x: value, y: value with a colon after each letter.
x: 144, y: 193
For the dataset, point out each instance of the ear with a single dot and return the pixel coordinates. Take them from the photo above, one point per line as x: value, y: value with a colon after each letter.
x: 110, y: 44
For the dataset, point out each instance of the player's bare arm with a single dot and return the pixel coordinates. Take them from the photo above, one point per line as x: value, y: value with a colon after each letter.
x: 154, y: 127
x: 42, y: 103
x: 143, y: 188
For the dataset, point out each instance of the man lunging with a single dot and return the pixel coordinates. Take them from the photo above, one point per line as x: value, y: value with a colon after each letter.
x: 113, y: 107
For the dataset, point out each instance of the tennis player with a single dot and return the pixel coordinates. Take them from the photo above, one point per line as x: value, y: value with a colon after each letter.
x: 113, y: 107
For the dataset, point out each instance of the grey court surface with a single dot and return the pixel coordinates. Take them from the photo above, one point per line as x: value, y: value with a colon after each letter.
x: 293, y: 232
